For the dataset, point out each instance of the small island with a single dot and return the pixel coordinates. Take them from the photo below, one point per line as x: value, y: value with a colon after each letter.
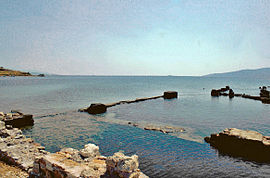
x: 12, y: 73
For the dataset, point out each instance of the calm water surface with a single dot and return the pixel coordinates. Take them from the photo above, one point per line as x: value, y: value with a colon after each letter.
x: 160, y: 155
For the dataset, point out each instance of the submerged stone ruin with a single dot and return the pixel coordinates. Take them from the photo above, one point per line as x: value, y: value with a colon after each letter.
x: 264, y: 94
x: 31, y: 157
x: 247, y: 144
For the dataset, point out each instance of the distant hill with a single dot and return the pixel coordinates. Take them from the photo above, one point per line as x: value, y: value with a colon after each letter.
x: 248, y: 73
x: 13, y: 73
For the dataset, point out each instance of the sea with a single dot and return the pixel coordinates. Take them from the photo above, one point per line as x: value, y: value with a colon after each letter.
x: 54, y: 102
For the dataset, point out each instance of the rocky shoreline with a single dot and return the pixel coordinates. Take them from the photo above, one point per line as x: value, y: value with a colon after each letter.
x: 31, y: 157
x: 12, y: 73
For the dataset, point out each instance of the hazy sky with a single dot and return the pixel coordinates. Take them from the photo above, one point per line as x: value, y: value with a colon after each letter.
x: 134, y: 37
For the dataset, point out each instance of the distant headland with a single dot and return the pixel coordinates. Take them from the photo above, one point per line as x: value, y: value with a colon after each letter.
x: 12, y: 73
x: 247, y: 73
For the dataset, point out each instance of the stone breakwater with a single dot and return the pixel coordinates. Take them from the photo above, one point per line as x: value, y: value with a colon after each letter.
x: 31, y: 157
x: 247, y: 144
x: 99, y: 108
x: 264, y: 94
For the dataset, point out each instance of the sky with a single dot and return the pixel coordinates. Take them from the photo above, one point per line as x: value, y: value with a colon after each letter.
x: 134, y: 37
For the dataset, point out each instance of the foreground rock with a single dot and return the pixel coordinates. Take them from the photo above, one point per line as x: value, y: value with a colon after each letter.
x: 17, y: 150
x: 11, y: 171
x: 17, y: 119
x: 86, y: 163
x: 120, y: 165
x: 31, y: 158
x: 248, y: 144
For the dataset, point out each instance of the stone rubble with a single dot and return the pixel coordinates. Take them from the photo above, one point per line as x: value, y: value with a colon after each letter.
x: 16, y: 149
x: 120, y: 165
x: 86, y: 163
x: 31, y: 157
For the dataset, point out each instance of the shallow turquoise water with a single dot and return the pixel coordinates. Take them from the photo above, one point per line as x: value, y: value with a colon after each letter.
x: 160, y: 155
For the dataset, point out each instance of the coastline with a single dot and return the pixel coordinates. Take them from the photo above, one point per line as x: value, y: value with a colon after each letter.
x: 15, y: 73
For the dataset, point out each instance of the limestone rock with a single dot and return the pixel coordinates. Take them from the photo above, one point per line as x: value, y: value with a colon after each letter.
x: 57, y: 165
x: 120, y: 165
x: 72, y: 154
x: 17, y: 150
x: 248, y: 144
x: 2, y: 125
x: 90, y: 151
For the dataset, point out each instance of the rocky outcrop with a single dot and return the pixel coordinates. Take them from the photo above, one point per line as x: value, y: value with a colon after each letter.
x: 120, y: 165
x: 11, y: 171
x: 12, y: 73
x: 16, y: 149
x: 86, y: 163
x: 170, y: 94
x: 31, y: 157
x: 68, y: 163
x: 247, y: 144
x: 17, y: 119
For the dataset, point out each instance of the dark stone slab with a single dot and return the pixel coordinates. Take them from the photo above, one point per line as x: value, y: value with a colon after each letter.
x: 20, y: 121
x: 170, y: 94
x: 215, y: 92
x: 97, y: 108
